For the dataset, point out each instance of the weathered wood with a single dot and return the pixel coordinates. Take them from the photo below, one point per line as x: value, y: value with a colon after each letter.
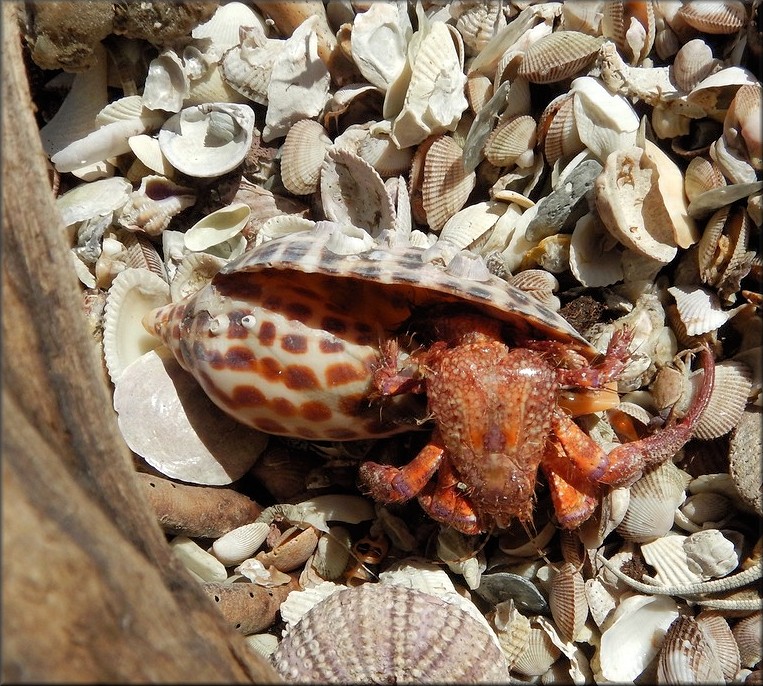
x: 91, y: 592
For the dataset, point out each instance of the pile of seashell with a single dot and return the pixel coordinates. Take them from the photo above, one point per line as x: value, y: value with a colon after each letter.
x: 604, y: 156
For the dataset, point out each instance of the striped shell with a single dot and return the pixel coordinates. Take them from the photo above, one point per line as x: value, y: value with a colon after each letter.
x: 558, y: 56
x: 285, y: 337
x: 380, y: 633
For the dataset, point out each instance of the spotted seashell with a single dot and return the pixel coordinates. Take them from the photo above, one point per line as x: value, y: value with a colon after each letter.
x: 558, y: 56
x: 379, y: 633
x: 714, y: 16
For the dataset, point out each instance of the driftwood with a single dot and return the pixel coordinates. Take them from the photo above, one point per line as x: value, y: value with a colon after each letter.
x: 91, y: 592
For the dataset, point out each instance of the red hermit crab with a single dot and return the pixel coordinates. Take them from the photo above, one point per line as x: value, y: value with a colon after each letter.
x: 295, y: 339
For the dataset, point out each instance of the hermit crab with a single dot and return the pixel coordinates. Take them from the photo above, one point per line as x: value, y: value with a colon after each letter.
x: 297, y: 338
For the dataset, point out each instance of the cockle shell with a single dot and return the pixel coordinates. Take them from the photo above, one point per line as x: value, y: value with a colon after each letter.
x: 207, y: 140
x: 567, y: 601
x: 382, y: 632
x: 686, y: 657
x: 302, y: 155
x: 445, y: 185
x: 277, y: 377
x: 240, y: 543
x: 539, y: 653
x: 702, y: 175
x: 692, y: 63
x: 511, y: 142
x: 720, y: 640
x: 708, y: 16
x: 747, y: 632
x: 558, y: 56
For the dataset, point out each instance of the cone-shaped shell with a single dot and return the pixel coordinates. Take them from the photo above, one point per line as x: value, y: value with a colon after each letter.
x: 558, y: 56
x: 379, y: 633
x: 302, y: 156
x: 445, y: 185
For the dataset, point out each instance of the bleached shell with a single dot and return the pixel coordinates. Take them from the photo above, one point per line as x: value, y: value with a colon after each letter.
x: 633, y: 635
x: 282, y: 225
x: 332, y: 553
x: 702, y: 508
x: 146, y: 149
x: 699, y: 309
x: 188, y: 437
x: 380, y: 151
x: 345, y: 177
x: 686, y: 657
x: 302, y: 156
x: 710, y: 554
x: 247, y: 69
x: 379, y: 43
x: 539, y: 653
x: 478, y: 23
x: 720, y: 640
x: 595, y: 259
x: 465, y: 229
x: 512, y: 629
x: 208, y: 140
x: 479, y: 90
x: 692, y: 63
x: 151, y: 208
x: 558, y: 56
x: 654, y: 499
x: 668, y: 557
x: 222, y: 29
x: 743, y: 121
x: 630, y: 208
x: 605, y: 122
x: 702, y: 175
x: 714, y: 16
x: 583, y: 16
x: 167, y: 84
x: 745, y: 460
x: 378, y: 632
x: 432, y: 104
x: 713, y: 93
x: 510, y: 140
x: 240, y: 543
x: 218, y: 226
x: 747, y: 632
x: 264, y: 644
x: 197, y: 560
x: 90, y: 200
x: 194, y: 272
x: 445, y: 185
x: 567, y: 601
x: 133, y: 293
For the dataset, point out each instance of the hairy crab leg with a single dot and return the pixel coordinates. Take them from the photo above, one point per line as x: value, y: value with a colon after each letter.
x: 445, y: 502
x: 389, y: 484
x: 573, y: 496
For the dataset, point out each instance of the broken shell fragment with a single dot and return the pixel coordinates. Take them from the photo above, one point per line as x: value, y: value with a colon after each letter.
x: 207, y: 140
x: 375, y: 633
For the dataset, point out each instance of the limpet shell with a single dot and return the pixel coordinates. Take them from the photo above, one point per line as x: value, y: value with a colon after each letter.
x: 302, y: 155
x: 388, y: 633
x: 207, y: 140
x: 558, y: 56
x: 133, y: 293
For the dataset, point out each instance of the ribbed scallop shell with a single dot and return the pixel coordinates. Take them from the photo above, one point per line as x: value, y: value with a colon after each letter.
x: 540, y: 284
x: 685, y: 657
x: 379, y: 633
x: 133, y: 293
x: 653, y: 502
x: 721, y: 641
x: 692, y: 63
x: 445, y: 185
x: 567, y: 601
x: 699, y: 309
x: 510, y: 140
x: 747, y: 633
x: 714, y: 16
x: 727, y: 403
x: 702, y: 175
x: 557, y: 133
x: 668, y: 557
x: 513, y: 630
x: 240, y: 543
x: 539, y: 654
x: 558, y: 56
x: 302, y: 155
x: 745, y: 459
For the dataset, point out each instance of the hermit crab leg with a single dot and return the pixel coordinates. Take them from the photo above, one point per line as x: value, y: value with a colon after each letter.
x: 445, y: 502
x: 389, y: 484
x: 573, y: 496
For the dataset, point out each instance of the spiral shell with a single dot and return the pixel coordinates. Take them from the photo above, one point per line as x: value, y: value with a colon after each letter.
x: 386, y: 633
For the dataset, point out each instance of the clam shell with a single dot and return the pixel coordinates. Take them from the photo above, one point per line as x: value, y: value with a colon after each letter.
x: 188, y: 437
x: 222, y: 29
x: 692, y: 63
x: 510, y: 141
x: 240, y: 543
x: 702, y: 175
x: 699, y: 309
x: 167, y: 84
x: 745, y: 459
x: 654, y: 499
x: 91, y: 200
x: 291, y: 550
x: 747, y: 633
x: 721, y: 641
x: 302, y: 155
x: 686, y: 657
x: 714, y: 16
x: 196, y: 560
x: 595, y: 257
x: 332, y: 553
x: 380, y: 632
x: 539, y: 653
x: 446, y: 185
x: 133, y: 293
x: 380, y: 151
x: 207, y: 140
x: 567, y: 601
x: 217, y: 227
x: 702, y: 508
x: 557, y: 132
x: 345, y: 177
x: 558, y: 56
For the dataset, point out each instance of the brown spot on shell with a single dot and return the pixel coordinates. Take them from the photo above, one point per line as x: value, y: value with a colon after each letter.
x: 300, y: 377
x: 315, y: 411
x: 342, y: 373
x: 239, y: 357
x: 267, y: 333
x: 334, y: 325
x: 294, y: 343
x: 353, y: 405
x: 247, y: 396
x: 270, y: 368
x: 297, y: 310
x: 270, y: 426
x: 284, y: 407
x: 330, y: 345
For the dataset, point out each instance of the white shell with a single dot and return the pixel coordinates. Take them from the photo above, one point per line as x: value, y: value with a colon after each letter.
x: 240, y: 543
x: 218, y: 226
x: 208, y: 140
x: 222, y: 29
x: 668, y: 557
x: 177, y: 430
x: 710, y: 554
x: 133, y: 293
x: 699, y: 309
x: 196, y: 560
x: 167, y: 84
x: 594, y: 256
x: 539, y: 653
x: 146, y: 149
x: 333, y: 552
x: 91, y: 200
